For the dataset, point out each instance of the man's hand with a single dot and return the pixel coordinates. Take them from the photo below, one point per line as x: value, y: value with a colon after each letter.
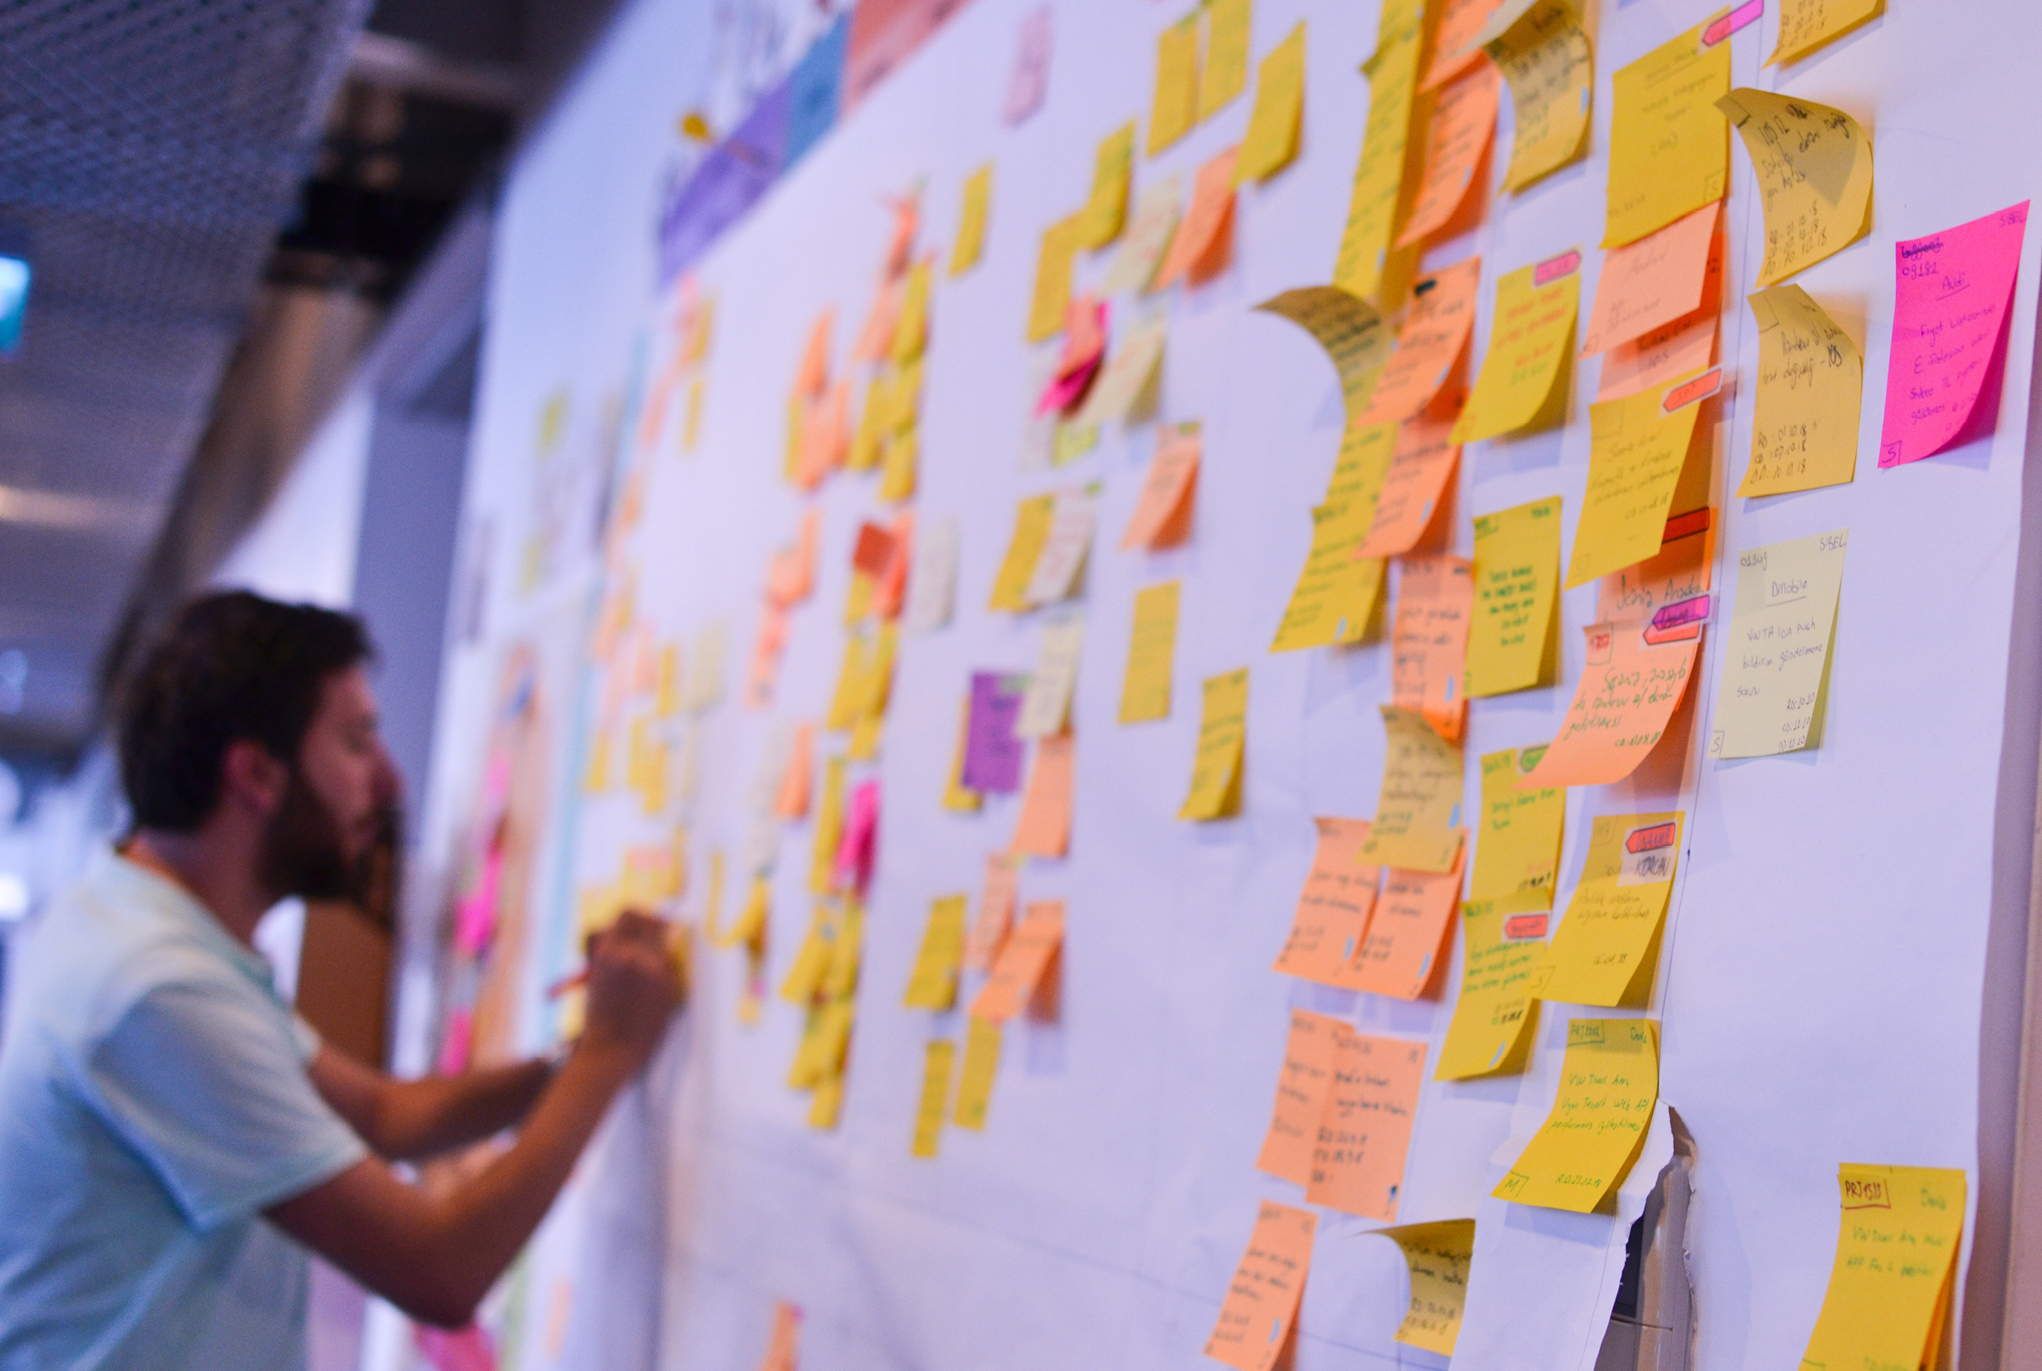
x: 634, y: 987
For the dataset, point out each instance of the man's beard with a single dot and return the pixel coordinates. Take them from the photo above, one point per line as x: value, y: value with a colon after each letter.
x: 304, y: 854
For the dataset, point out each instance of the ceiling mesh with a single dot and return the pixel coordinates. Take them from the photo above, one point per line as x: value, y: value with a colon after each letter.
x: 149, y: 152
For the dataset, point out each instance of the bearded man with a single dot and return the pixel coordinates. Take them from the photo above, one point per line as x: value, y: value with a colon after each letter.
x: 172, y: 1137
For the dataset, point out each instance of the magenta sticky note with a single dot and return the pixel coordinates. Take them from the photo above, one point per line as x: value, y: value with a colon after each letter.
x: 992, y: 754
x: 1951, y: 303
x: 852, y: 869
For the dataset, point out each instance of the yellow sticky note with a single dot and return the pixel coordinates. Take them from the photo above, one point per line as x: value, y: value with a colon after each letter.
x: 1370, y: 266
x: 911, y: 329
x: 1776, y: 653
x: 1031, y: 533
x: 1222, y: 739
x: 667, y: 695
x: 1112, y: 169
x: 1338, y: 593
x: 1513, y: 643
x: 1151, y: 654
x: 1517, y: 832
x: 1607, y: 946
x: 1495, y: 1014
x: 1546, y: 58
x: 840, y: 977
x: 1609, y: 1085
x: 1529, y: 343
x: 971, y: 221
x: 933, y: 982
x: 1437, y: 1255
x: 1355, y: 337
x: 811, y: 961
x: 1272, y: 139
x: 850, y: 691
x: 829, y: 827
x: 1814, y: 168
x: 1636, y: 449
x: 1053, y: 262
x: 1811, y: 387
x: 821, y: 1054
x: 1418, y: 815
x: 1175, y: 108
x: 956, y: 797
x: 1889, y: 1296
x: 750, y: 926
x: 1669, y: 147
x: 1806, y: 25
x: 1225, y: 74
x: 827, y: 1104
x: 936, y: 1062
x: 691, y: 422
x: 975, y: 1080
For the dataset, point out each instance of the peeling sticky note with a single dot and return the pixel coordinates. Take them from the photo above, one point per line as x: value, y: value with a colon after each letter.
x: 1513, y: 641
x: 1437, y: 1255
x: 1609, y: 1085
x: 1547, y: 59
x: 1606, y: 949
x: 1354, y: 336
x: 1301, y: 1088
x: 1409, y: 933
x: 1333, y: 908
x: 1520, y: 386
x: 1495, y: 1013
x: 1432, y: 339
x: 1776, y: 650
x: 1951, y: 308
x: 1222, y: 741
x: 1811, y: 385
x: 1891, y: 1287
x: 1429, y: 641
x: 1628, y: 692
x: 1262, y: 1299
x: 1018, y: 972
x: 1419, y: 820
x: 1456, y: 147
x: 1669, y: 145
x: 1637, y: 447
x: 1365, y: 1133
x: 1151, y: 654
x: 1272, y: 139
x: 1814, y: 169
x: 1162, y: 514
x: 1199, y: 248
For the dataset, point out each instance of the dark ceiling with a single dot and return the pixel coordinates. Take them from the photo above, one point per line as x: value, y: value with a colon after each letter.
x: 201, y: 187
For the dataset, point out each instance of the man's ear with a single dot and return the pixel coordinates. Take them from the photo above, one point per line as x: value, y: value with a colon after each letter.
x: 252, y: 777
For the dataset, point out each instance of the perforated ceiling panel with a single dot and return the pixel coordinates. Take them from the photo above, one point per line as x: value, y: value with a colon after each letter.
x: 149, y: 150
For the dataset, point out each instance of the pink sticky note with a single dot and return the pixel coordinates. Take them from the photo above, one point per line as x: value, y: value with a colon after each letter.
x: 1951, y: 303
x: 853, y: 866
x: 475, y: 918
x: 1030, y: 79
x: 454, y: 1046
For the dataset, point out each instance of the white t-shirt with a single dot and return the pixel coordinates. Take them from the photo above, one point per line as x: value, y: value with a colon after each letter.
x: 153, y: 1101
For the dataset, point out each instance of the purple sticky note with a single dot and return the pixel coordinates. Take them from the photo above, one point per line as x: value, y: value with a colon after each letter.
x: 992, y: 754
x: 1030, y: 81
x: 853, y: 867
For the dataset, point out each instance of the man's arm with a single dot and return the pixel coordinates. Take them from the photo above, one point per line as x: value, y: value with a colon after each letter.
x: 436, y: 1256
x: 407, y: 1120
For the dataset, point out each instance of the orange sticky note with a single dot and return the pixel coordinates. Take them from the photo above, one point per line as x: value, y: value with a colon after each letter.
x: 1044, y: 829
x: 875, y: 339
x: 1429, y: 641
x: 1409, y: 932
x: 796, y: 781
x: 1628, y: 693
x: 892, y: 584
x: 1333, y: 909
x: 1653, y: 281
x: 1162, y: 516
x: 1421, y: 466
x: 1454, y: 48
x: 1684, y: 346
x: 1198, y: 250
x: 1456, y: 147
x: 781, y: 1350
x: 1018, y: 971
x: 1434, y: 335
x: 814, y: 375
x: 1262, y: 1301
x: 1365, y: 1134
x: 1300, y: 1097
x: 995, y: 912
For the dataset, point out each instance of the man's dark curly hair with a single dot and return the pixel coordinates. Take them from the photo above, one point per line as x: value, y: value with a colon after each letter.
x: 230, y: 666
